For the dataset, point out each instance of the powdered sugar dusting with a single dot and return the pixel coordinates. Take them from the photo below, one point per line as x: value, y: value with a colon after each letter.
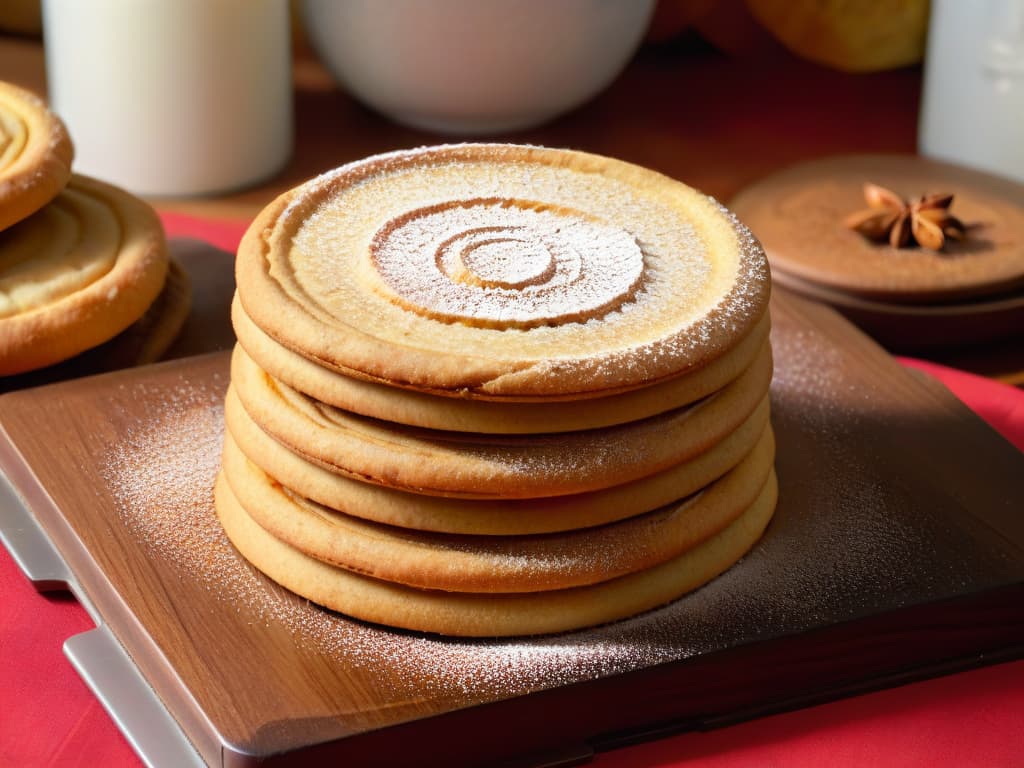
x: 162, y: 476
x: 834, y: 551
x: 691, y: 295
x: 162, y: 471
x: 852, y: 536
x: 506, y: 263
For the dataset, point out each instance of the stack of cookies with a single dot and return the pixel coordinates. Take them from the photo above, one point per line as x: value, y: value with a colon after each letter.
x: 491, y: 390
x: 81, y: 262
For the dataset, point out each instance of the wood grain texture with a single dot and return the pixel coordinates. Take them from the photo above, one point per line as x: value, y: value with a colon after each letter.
x: 897, y: 551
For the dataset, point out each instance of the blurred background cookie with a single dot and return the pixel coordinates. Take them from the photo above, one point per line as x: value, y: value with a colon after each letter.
x: 35, y: 154
x: 145, y: 341
x: 77, y: 273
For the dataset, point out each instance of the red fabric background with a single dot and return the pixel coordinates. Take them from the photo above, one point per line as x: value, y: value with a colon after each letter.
x: 972, y: 719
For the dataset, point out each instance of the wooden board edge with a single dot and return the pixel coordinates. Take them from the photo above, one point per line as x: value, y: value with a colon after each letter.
x: 90, y: 586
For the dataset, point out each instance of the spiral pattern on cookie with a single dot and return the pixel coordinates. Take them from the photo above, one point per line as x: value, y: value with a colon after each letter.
x: 35, y: 154
x: 506, y: 263
x: 13, y: 135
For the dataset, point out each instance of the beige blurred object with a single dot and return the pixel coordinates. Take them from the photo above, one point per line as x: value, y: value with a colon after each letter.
x: 21, y: 16
x: 466, y: 67
x: 849, y: 35
x: 178, y: 98
x: 972, y: 105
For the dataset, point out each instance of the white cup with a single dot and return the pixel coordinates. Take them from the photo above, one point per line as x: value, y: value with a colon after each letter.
x: 972, y: 109
x: 172, y: 97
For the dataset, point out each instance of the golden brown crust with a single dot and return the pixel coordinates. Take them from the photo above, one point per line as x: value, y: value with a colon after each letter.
x: 492, y: 517
x: 461, y: 563
x: 405, y: 406
x: 702, y: 284
x: 59, y: 329
x: 144, y: 341
x: 35, y: 154
x: 486, y: 466
x: 482, y: 615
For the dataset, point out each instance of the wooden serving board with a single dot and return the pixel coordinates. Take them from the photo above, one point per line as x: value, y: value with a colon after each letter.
x: 897, y: 551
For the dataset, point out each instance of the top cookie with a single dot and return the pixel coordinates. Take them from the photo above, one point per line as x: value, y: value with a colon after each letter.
x: 35, y: 154
x: 501, y: 271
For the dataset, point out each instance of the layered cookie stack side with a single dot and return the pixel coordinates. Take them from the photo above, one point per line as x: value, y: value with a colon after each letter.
x: 492, y: 390
x: 81, y: 261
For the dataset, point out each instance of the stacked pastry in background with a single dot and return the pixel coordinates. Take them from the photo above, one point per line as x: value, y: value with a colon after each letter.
x: 81, y: 262
x: 494, y: 390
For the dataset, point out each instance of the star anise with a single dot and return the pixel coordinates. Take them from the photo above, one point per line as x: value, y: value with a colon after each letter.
x: 889, y: 217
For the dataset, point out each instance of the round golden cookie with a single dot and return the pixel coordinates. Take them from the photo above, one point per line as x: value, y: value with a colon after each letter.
x: 495, y: 563
x: 493, y: 466
x: 491, y: 517
x: 799, y: 213
x: 144, y: 341
x: 483, y: 615
x: 77, y: 273
x: 502, y: 271
x: 405, y: 406
x: 35, y: 154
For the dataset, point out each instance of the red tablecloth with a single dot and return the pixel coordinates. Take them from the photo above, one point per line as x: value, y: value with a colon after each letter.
x: 971, y: 719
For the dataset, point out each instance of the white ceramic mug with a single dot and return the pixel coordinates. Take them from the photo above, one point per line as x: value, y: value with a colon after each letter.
x: 972, y: 110
x: 172, y: 97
